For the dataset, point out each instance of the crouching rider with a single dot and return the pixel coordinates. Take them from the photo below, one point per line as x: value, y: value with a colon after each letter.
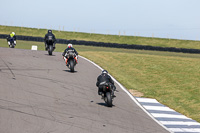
x: 68, y: 50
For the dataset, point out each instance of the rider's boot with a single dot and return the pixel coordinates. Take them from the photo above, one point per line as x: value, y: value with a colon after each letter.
x: 67, y: 64
x: 54, y: 47
x: 46, y: 47
x: 113, y: 95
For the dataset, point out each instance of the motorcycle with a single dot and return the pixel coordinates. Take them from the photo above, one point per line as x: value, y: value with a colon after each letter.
x: 107, y: 93
x: 12, y: 43
x: 50, y: 48
x: 71, y: 56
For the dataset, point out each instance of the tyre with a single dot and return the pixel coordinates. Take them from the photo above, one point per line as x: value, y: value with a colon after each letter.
x: 71, y: 63
x: 108, y: 99
x: 50, y: 50
x: 12, y: 46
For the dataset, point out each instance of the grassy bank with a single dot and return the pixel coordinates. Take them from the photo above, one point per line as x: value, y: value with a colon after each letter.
x: 171, y: 78
x: 104, y: 38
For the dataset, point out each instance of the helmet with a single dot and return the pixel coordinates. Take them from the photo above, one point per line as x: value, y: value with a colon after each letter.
x: 105, y: 71
x: 13, y: 33
x: 69, y: 45
x: 49, y: 31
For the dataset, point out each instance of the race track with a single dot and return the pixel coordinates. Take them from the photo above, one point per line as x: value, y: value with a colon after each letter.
x: 38, y: 94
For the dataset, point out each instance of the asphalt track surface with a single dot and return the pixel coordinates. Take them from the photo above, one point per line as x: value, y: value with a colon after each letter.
x: 38, y: 94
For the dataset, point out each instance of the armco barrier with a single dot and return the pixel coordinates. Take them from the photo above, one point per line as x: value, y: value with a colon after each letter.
x: 112, y: 45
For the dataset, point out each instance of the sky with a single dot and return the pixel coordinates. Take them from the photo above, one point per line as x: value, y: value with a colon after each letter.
x: 179, y: 19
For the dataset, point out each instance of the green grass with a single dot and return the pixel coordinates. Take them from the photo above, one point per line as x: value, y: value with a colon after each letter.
x: 103, y: 38
x: 171, y: 78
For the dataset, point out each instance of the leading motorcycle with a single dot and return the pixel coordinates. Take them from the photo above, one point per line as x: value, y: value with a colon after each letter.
x: 12, y: 43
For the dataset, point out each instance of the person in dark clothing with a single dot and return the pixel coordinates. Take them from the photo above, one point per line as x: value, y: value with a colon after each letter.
x: 105, y: 78
x: 11, y: 36
x: 67, y: 51
x: 49, y: 37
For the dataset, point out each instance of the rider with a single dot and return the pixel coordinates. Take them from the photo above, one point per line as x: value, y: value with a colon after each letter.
x: 49, y: 36
x: 12, y: 35
x: 67, y: 50
x: 104, y: 77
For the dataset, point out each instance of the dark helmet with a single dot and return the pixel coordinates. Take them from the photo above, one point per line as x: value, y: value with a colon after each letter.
x: 49, y: 31
x: 105, y: 71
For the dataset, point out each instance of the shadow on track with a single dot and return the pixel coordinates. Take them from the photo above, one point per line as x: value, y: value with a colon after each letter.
x: 105, y: 105
x: 70, y: 71
x: 50, y: 55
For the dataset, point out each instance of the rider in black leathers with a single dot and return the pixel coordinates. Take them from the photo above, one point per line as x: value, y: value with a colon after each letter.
x: 104, y: 77
x: 49, y: 36
x: 69, y: 49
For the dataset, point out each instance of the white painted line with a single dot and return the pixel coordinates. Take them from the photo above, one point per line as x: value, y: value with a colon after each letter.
x: 130, y: 95
x: 147, y: 100
x: 169, y: 116
x: 34, y: 47
x: 195, y: 130
x: 158, y: 108
x: 179, y: 123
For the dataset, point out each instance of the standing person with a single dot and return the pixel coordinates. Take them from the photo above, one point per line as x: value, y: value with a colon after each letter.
x: 49, y: 37
x: 67, y: 51
x: 10, y: 37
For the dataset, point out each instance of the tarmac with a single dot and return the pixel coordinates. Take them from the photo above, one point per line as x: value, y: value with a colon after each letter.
x: 38, y: 94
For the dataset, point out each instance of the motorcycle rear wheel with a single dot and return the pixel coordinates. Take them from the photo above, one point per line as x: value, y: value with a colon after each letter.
x: 12, y: 45
x: 71, y: 63
x: 50, y: 50
x: 108, y: 99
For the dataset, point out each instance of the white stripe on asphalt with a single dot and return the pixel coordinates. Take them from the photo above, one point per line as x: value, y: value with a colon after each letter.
x: 192, y: 130
x: 169, y: 116
x: 147, y: 100
x: 158, y: 108
x: 176, y: 124
x: 179, y: 123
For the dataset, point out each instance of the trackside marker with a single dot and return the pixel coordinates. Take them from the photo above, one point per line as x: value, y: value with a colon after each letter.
x: 34, y: 47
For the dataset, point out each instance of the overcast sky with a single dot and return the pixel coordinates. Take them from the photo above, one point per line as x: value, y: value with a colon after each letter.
x: 159, y: 18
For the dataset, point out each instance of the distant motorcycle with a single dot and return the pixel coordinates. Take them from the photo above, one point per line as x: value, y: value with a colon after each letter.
x: 50, y: 48
x: 71, y: 62
x: 12, y: 43
x: 107, y: 94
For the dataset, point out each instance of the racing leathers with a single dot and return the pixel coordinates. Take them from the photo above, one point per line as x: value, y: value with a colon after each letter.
x: 67, y: 51
x: 49, y: 37
x: 11, y: 37
x: 105, y: 78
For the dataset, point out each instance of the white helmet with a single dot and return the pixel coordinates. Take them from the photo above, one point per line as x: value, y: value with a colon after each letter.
x: 13, y: 33
x: 69, y: 45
